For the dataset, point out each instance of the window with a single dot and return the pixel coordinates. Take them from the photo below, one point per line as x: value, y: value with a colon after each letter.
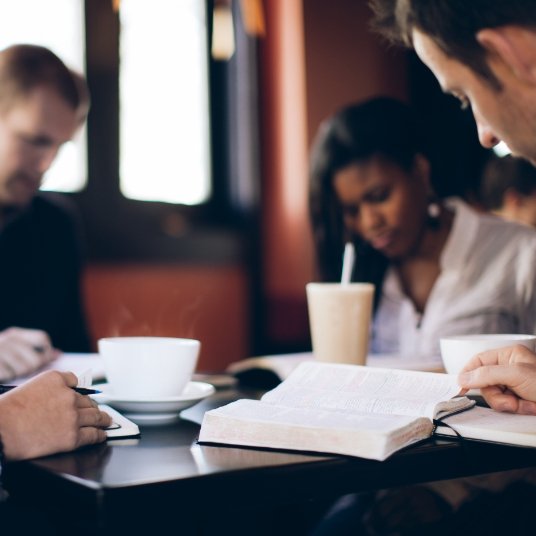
x: 164, y: 101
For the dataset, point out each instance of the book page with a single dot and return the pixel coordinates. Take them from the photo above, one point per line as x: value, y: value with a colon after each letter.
x: 284, y: 364
x: 254, y: 423
x: 422, y: 363
x: 77, y: 363
x: 353, y: 389
x: 490, y: 425
x: 258, y: 412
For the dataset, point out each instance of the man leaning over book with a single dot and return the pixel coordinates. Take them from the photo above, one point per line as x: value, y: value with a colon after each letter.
x: 484, y: 53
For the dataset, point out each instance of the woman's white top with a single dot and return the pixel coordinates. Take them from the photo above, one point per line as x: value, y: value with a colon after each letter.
x: 487, y: 284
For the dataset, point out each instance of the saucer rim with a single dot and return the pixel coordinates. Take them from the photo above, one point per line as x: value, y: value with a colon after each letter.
x: 150, y: 419
x: 205, y: 390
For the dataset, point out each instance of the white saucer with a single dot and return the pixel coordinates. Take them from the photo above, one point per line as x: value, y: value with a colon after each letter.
x: 193, y: 393
x: 154, y: 419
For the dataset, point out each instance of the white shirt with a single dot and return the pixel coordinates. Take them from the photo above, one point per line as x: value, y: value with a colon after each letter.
x: 487, y: 284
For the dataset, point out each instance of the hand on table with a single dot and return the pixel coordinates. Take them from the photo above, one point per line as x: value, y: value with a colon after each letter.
x: 23, y: 351
x: 506, y: 378
x: 45, y: 415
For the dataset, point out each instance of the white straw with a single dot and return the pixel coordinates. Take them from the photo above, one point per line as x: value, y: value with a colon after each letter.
x: 348, y: 263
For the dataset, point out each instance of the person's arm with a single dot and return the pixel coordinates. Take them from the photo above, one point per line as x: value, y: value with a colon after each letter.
x: 45, y: 415
x: 506, y: 378
x: 23, y: 351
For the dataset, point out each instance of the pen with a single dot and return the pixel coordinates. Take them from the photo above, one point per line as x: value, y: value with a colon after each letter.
x: 81, y: 390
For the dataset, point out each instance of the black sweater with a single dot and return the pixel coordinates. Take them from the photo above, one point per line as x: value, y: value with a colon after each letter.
x: 40, y: 270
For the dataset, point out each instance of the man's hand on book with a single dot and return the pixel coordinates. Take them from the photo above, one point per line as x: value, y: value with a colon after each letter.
x: 506, y: 378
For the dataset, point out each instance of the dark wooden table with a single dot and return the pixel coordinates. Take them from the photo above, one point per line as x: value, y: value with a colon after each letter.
x: 165, y: 479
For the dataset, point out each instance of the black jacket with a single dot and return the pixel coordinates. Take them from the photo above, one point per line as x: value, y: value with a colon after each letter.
x: 40, y: 271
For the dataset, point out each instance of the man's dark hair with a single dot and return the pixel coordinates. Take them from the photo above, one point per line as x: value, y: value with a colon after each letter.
x: 24, y: 67
x: 503, y: 174
x: 452, y: 25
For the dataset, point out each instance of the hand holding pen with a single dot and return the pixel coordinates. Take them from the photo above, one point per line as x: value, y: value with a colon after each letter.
x: 23, y: 351
x: 45, y: 415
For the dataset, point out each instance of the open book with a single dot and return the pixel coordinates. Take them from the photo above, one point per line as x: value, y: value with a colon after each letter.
x: 341, y: 409
x: 266, y: 372
x: 487, y: 425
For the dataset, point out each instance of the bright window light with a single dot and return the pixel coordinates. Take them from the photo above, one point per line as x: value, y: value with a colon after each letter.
x: 164, y: 118
x: 58, y: 25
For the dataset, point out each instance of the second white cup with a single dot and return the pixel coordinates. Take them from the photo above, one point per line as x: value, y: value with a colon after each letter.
x: 456, y: 351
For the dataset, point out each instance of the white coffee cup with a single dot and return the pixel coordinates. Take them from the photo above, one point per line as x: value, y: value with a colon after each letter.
x: 339, y: 318
x: 456, y: 351
x: 148, y: 367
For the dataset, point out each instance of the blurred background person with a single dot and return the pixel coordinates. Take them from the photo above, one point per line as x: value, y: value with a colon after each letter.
x: 42, y: 105
x: 438, y: 265
x: 508, y: 189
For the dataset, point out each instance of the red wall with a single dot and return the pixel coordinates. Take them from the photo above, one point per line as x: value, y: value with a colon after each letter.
x: 287, y: 246
x: 345, y: 60
x: 209, y: 304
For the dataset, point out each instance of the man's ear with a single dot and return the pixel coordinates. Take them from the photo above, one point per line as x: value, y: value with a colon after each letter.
x: 515, y: 46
